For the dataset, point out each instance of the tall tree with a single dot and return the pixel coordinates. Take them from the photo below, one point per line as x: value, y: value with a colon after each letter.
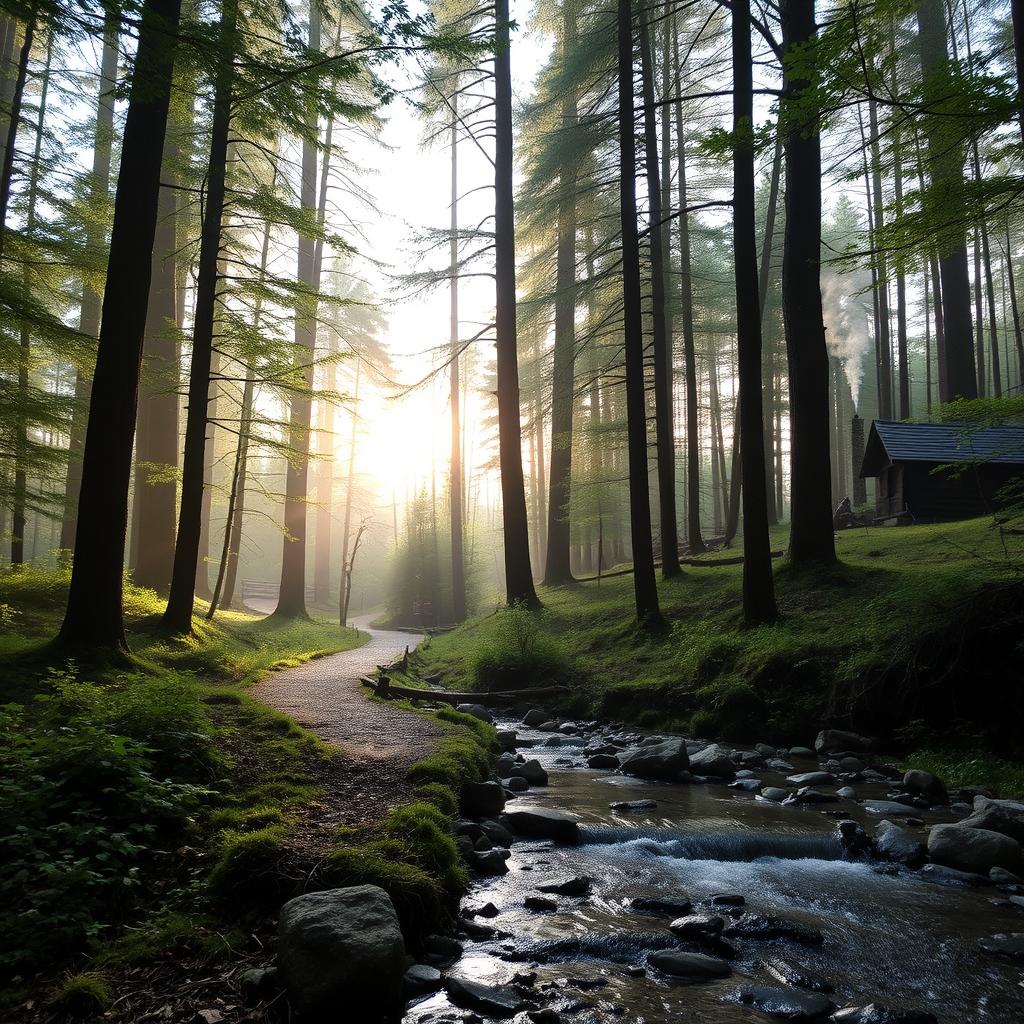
x: 645, y: 587
x: 94, y: 616
x: 519, y: 587
x: 758, y: 583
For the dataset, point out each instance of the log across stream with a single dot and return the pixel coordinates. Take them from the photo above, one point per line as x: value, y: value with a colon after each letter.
x: 867, y: 931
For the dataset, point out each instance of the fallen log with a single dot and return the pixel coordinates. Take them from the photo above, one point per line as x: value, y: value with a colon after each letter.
x: 385, y: 688
x: 700, y: 563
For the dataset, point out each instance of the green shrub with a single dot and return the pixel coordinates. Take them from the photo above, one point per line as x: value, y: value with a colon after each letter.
x: 441, y: 796
x: 517, y: 652
x: 249, y: 868
x: 457, y: 759
x: 731, y: 709
x: 82, y: 995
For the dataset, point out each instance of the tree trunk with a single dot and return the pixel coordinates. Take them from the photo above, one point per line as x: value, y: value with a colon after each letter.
x: 519, y: 587
x: 94, y: 616
x: 758, y: 584
x: 664, y: 437
x: 1017, y: 339
x: 7, y: 169
x: 346, y: 584
x: 178, y: 614
x: 883, y: 340
x: 645, y: 588
x: 1017, y: 15
x: 945, y: 166
x: 694, y: 540
x: 557, y: 569
x: 89, y: 314
x: 455, y: 495
x: 902, y: 357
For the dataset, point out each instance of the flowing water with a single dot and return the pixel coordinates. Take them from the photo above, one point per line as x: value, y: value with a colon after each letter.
x: 888, y: 936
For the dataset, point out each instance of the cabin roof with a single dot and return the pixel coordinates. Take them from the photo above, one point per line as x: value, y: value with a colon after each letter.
x: 891, y: 442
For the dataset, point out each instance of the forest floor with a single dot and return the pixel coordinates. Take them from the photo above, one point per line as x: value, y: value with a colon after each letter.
x: 166, y: 813
x: 915, y: 636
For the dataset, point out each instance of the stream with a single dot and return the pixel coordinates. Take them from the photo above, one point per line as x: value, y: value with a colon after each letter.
x: 888, y: 935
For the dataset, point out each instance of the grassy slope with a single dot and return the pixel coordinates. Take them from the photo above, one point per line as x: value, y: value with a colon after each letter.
x: 842, y: 635
x: 262, y: 777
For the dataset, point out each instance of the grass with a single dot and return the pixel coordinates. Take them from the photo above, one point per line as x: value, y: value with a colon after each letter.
x: 888, y: 637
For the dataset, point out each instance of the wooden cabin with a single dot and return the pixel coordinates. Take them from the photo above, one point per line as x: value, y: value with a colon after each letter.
x: 904, y: 458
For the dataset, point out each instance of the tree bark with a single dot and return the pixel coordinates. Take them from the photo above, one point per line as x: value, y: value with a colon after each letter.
x: 455, y: 485
x: 883, y: 339
x: 758, y: 584
x: 347, y: 524
x: 7, y: 169
x: 1018, y: 341
x: 645, y: 588
x: 519, y: 587
x: 94, y: 616
x: 180, y: 602
x: 902, y: 357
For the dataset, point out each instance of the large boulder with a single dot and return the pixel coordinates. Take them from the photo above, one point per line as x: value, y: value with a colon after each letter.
x: 791, y: 1003
x: 342, y: 947
x: 664, y: 760
x: 692, y: 966
x: 837, y: 741
x: 972, y: 849
x: 532, y: 771
x: 494, y: 1000
x: 899, y: 844
x: 534, y: 718
x: 542, y: 823
x: 713, y: 760
x: 481, y: 799
x: 922, y: 783
x: 1005, y: 816
x: 477, y: 711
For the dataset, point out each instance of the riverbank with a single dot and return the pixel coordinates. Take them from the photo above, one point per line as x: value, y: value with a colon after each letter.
x: 167, y: 814
x: 913, y: 636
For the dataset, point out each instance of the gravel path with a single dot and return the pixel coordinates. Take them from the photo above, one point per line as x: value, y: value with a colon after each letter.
x: 325, y: 696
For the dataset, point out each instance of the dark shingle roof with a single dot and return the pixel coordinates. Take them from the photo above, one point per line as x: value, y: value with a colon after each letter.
x: 890, y: 442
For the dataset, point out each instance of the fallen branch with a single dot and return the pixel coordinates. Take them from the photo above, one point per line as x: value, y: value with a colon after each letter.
x: 384, y: 688
x: 699, y: 562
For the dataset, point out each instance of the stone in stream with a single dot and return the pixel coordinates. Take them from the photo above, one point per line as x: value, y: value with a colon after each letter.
x: 534, y: 717
x: 851, y: 764
x: 876, y: 1013
x: 800, y: 752
x: 727, y: 899
x: 972, y: 849
x: 498, y: 834
x: 713, y: 760
x: 889, y: 807
x: 794, y: 974
x: 575, y: 885
x: 853, y: 838
x: 766, y: 926
x: 633, y: 805
x: 341, y: 947
x: 664, y: 905
x: 442, y: 949
x: 1004, y: 944
x: 810, y: 795
x: 764, y: 750
x: 689, y: 966
x: 542, y: 823
x: 540, y: 903
x: 532, y: 771
x: 481, y: 799
x: 746, y: 785
x: 898, y: 844
x: 773, y: 794
x: 940, y: 875
x: 923, y: 783
x: 489, y: 862
x: 477, y: 711
x: 515, y: 784
x: 421, y: 978
x: 791, y: 1003
x: 507, y: 740
x: 998, y: 816
x: 602, y: 761
x: 697, y: 926
x: 1003, y: 877
x: 494, y: 1000
x: 837, y: 741
x: 746, y: 773
x: 812, y: 779
x: 663, y: 760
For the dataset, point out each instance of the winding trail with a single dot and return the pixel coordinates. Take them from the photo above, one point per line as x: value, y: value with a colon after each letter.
x: 326, y: 697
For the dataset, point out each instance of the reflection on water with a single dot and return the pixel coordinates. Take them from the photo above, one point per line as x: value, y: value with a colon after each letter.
x: 890, y: 938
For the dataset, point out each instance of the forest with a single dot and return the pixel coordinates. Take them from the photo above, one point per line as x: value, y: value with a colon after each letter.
x: 443, y: 441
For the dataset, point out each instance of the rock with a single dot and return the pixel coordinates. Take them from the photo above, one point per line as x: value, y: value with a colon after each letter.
x: 940, y: 875
x: 421, y: 978
x: 476, y: 930
x: 801, y: 752
x: 545, y: 1016
x: 746, y: 785
x: 778, y: 765
x: 697, y: 926
x: 854, y: 839
x: 602, y: 761
x: 663, y: 760
x: 689, y: 966
x: 507, y: 740
x: 972, y: 849
x: 764, y: 750
x: 846, y: 793
x: 1003, y: 944
x: 477, y: 711
x: 515, y: 784
x: 765, y: 926
x: 481, y: 799
x: 489, y: 862
x: 667, y: 906
x: 790, y: 973
x: 540, y: 903
x: 574, y: 885
x: 889, y: 807
x: 810, y: 795
x: 998, y: 816
x: 494, y: 1000
x: 851, y: 764
x: 549, y: 726
x: 341, y: 947
x: 812, y: 779
x: 898, y: 844
x: 876, y: 1013
x: 497, y: 833
x: 713, y: 760
x: 208, y: 1017
x: 442, y: 948
x: 534, y: 718
x: 532, y: 771
x: 257, y: 983
x: 727, y: 899
x: 746, y: 773
x: 487, y: 910
x: 836, y: 741
x: 925, y: 784
x: 542, y: 823
x: 791, y: 1003
x: 633, y: 805
x: 773, y: 794
x: 1003, y: 877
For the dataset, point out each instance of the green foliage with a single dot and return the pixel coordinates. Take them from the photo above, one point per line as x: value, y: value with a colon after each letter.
x: 458, y: 759
x: 972, y: 768
x: 249, y: 867
x: 82, y: 995
x: 516, y: 650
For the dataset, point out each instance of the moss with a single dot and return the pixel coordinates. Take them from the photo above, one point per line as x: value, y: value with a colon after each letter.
x: 82, y: 995
x: 249, y: 866
x: 441, y: 796
x: 972, y: 768
x: 171, y: 934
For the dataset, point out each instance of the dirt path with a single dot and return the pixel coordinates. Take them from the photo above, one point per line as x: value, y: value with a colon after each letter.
x: 326, y: 697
